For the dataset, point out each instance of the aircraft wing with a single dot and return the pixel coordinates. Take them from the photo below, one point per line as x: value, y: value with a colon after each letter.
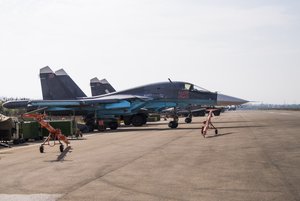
x: 115, y: 98
x: 89, y: 101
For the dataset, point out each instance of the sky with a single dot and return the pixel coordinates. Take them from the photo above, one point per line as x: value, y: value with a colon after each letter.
x: 246, y: 49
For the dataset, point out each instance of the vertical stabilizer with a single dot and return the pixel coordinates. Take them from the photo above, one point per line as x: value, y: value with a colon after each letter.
x: 58, y: 85
x: 71, y: 88
x: 50, y: 84
x: 100, y: 87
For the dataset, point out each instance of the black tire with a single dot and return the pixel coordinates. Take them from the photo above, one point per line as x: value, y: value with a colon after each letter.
x: 41, y: 149
x: 127, y: 122
x: 61, y: 148
x: 145, y: 121
x: 173, y: 124
x: 216, y: 131
x: 138, y: 120
x: 217, y: 112
x: 101, y: 128
x: 188, y: 120
x: 113, y: 125
x: 91, y: 127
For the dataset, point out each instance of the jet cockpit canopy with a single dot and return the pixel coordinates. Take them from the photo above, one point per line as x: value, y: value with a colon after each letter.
x: 192, y: 87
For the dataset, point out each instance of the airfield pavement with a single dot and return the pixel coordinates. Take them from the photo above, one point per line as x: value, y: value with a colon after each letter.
x: 255, y: 157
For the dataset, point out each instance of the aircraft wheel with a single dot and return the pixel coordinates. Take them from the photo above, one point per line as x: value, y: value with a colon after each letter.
x: 127, y: 122
x: 173, y: 124
x: 91, y: 127
x: 138, y: 120
x: 16, y: 141
x: 217, y: 112
x: 144, y: 120
x: 101, y: 128
x: 113, y: 125
x: 42, y: 148
x: 188, y: 120
x: 202, y: 113
x: 61, y: 148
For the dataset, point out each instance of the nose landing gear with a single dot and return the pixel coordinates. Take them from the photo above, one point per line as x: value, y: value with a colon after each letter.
x: 174, y: 123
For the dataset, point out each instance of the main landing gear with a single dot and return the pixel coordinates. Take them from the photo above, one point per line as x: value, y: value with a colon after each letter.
x: 174, y: 123
x: 188, y: 119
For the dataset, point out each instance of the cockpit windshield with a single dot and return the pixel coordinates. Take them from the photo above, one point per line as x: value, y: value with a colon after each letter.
x: 192, y: 87
x: 197, y: 88
x: 187, y: 86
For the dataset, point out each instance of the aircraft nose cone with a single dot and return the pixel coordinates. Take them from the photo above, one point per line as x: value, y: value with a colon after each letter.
x: 15, y: 104
x: 224, y: 100
x: 7, y: 105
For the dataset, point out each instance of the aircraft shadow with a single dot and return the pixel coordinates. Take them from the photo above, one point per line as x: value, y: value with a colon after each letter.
x: 146, y: 129
x: 23, y: 144
x: 198, y: 122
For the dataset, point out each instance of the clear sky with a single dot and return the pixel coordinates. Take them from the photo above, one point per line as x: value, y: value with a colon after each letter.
x: 247, y: 49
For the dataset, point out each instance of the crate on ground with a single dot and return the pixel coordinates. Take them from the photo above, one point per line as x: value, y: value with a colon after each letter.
x: 153, y: 118
x: 31, y: 130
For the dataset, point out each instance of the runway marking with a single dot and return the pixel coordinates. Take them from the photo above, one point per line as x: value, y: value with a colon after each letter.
x: 29, y: 197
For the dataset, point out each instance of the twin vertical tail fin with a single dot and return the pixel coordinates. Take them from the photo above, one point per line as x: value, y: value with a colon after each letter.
x: 100, y: 87
x: 69, y: 85
x: 58, y: 85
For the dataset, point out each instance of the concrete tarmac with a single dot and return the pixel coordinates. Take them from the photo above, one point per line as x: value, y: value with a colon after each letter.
x: 255, y: 157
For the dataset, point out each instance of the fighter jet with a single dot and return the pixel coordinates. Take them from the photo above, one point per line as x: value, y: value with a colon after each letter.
x: 100, y: 87
x: 130, y: 105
